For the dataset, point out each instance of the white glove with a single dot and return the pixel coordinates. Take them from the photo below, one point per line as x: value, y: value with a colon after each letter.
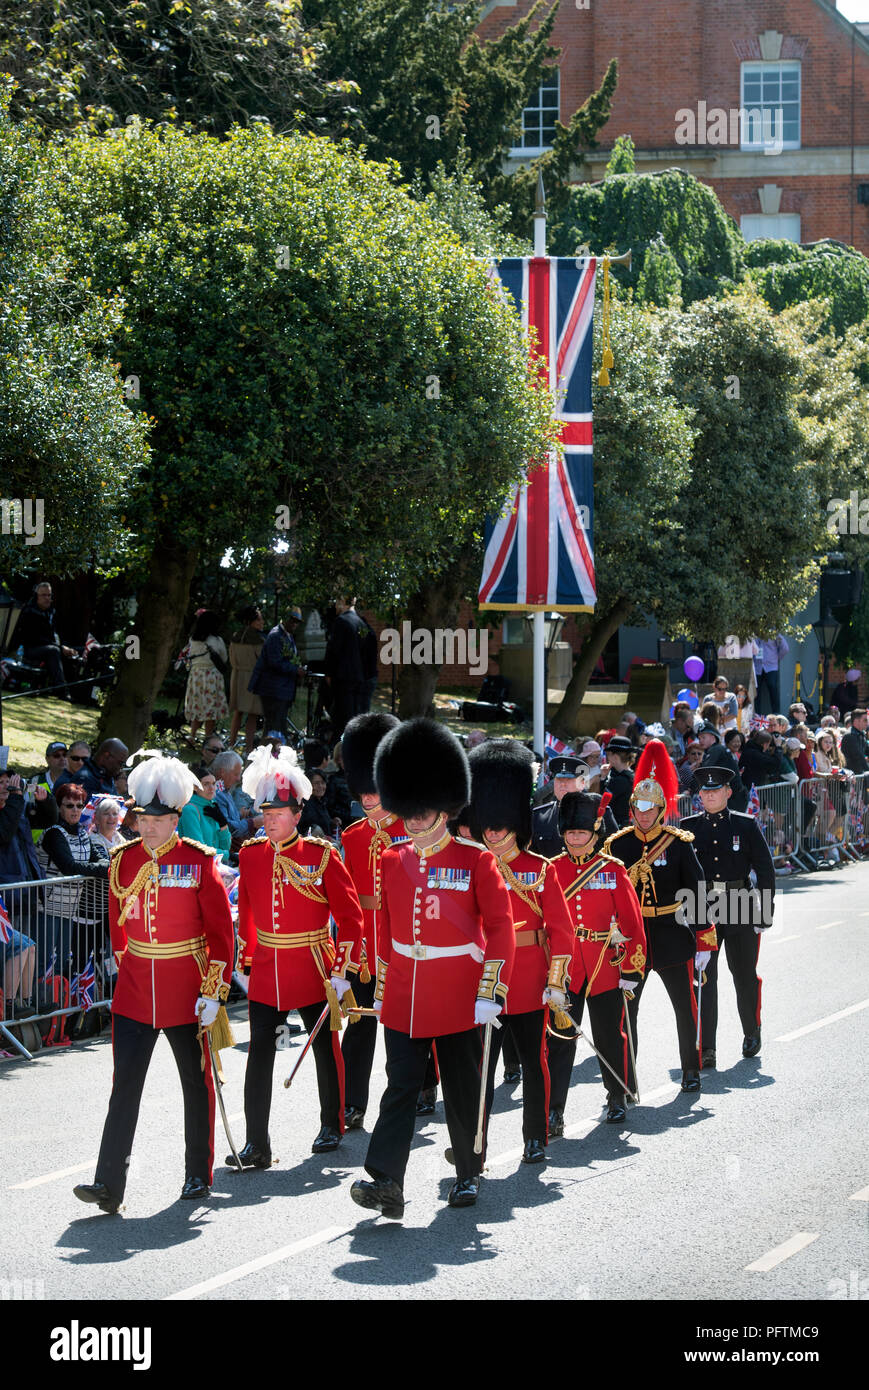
x: 556, y: 998
x: 206, y: 1011
x: 378, y: 1005
x: 702, y: 959
x: 628, y: 984
x: 243, y: 981
x: 486, y: 1011
x: 759, y: 930
x: 340, y: 985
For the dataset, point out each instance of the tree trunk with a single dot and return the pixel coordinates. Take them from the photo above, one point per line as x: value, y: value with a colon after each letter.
x: 162, y: 606
x: 434, y: 605
x: 567, y: 713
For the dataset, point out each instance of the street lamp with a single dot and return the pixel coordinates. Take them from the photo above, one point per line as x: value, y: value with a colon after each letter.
x: 9, y: 611
x: 826, y: 631
x: 552, y: 625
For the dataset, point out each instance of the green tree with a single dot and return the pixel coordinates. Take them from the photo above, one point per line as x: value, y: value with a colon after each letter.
x: 785, y: 274
x: 69, y: 442
x: 321, y: 361
x: 207, y: 62
x: 714, y: 526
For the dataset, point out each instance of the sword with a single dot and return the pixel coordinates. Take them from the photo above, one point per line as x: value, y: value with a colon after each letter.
x: 218, y: 1091
x: 699, y: 992
x: 630, y: 1033
x: 367, y: 1013
x: 599, y: 1055
x: 304, y: 1052
x: 484, y: 1076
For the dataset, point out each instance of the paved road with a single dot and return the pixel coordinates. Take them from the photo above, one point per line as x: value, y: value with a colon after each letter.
x: 756, y: 1189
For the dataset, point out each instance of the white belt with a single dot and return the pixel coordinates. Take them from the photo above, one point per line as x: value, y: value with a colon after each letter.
x: 420, y: 952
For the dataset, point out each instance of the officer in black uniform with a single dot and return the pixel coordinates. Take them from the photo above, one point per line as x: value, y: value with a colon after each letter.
x: 729, y: 846
x: 569, y: 774
x: 619, y: 781
x: 665, y: 871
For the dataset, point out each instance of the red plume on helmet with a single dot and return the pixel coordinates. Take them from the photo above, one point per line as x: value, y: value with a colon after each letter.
x: 655, y: 763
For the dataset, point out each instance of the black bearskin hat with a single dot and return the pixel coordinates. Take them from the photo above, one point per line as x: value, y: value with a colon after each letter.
x: 358, y: 746
x: 419, y: 767
x: 587, y: 811
x: 502, y: 783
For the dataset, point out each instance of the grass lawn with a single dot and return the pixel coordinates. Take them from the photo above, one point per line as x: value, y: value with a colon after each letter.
x: 31, y: 722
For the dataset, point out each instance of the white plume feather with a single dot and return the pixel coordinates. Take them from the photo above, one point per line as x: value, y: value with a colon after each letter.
x: 168, y: 778
x: 265, y: 775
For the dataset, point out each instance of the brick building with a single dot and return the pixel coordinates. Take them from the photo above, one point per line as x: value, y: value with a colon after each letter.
x: 795, y: 165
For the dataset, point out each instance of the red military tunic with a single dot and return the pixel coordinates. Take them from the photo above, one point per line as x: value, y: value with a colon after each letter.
x: 543, y: 927
x: 603, y: 905
x: 286, y: 895
x: 446, y: 931
x: 363, y: 843
x: 171, y: 930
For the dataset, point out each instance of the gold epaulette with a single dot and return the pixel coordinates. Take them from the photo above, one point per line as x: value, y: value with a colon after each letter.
x: 318, y: 840
x: 197, y: 844
x: 117, y: 849
x: 686, y: 835
x: 255, y: 840
x: 602, y: 854
x: 616, y: 835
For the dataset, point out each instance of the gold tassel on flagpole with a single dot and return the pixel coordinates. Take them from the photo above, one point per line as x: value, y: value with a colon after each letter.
x: 607, y: 353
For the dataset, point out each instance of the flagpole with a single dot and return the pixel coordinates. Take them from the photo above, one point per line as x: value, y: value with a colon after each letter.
x: 539, y: 647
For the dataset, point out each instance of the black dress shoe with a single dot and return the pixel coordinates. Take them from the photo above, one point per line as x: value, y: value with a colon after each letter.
x: 425, y: 1105
x: 251, y: 1157
x: 690, y: 1081
x: 556, y: 1124
x: 708, y: 1059
x: 353, y: 1117
x: 751, y: 1045
x: 195, y: 1190
x: 327, y: 1140
x: 463, y: 1192
x: 98, y: 1192
x: 615, y: 1112
x: 512, y: 1075
x: 381, y: 1194
x: 534, y: 1151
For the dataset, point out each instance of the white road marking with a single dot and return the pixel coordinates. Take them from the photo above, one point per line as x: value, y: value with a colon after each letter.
x: 286, y: 1252
x: 822, y: 1022
x: 861, y: 1196
x: 825, y: 925
x: 783, y: 1252
x: 50, y: 1177
x: 772, y: 940
x: 863, y: 914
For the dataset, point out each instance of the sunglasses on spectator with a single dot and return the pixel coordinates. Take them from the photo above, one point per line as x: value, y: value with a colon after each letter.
x: 76, y: 757
x: 76, y: 805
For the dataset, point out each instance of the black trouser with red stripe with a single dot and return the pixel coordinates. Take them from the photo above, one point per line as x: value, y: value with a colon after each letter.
x: 132, y: 1046
x: 742, y: 948
x: 528, y: 1034
x: 678, y: 981
x: 460, y: 1057
x: 265, y: 1035
x: 606, y: 1013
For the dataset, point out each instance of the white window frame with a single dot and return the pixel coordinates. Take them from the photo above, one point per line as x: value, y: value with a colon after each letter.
x: 746, y: 105
x: 768, y: 225
x: 530, y: 151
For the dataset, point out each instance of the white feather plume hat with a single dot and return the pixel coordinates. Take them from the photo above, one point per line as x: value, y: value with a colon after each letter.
x: 161, y: 785
x: 274, y: 779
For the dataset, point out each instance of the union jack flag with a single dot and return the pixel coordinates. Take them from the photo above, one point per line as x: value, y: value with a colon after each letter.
x: 539, y: 550
x: 49, y: 974
x: 5, y: 924
x: 753, y: 801
x: 81, y: 986
x: 556, y: 747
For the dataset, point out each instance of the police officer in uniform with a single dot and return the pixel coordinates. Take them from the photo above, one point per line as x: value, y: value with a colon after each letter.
x: 730, y: 846
x: 569, y: 774
x: 666, y: 873
x: 171, y: 930
x: 446, y: 952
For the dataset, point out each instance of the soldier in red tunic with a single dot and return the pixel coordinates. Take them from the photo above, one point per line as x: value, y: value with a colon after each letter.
x: 364, y: 843
x: 499, y: 816
x: 446, y: 951
x: 287, y: 889
x: 609, y: 956
x: 171, y: 930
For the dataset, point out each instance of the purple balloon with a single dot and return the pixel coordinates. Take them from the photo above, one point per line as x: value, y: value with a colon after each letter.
x: 694, y: 668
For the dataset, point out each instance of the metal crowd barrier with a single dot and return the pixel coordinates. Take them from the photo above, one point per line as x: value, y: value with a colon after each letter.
x: 63, y: 923
x: 832, y: 817
x: 777, y: 816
